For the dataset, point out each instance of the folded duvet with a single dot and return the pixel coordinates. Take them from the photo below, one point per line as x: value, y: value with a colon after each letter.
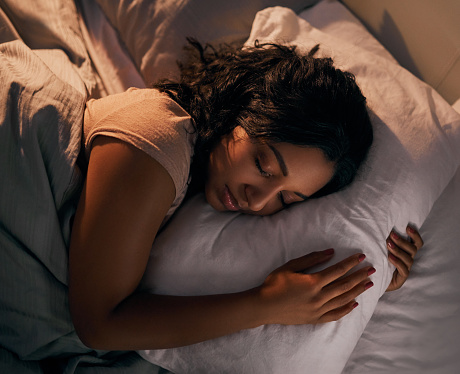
x: 46, y: 79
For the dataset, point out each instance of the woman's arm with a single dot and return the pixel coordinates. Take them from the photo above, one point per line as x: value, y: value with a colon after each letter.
x: 125, y: 198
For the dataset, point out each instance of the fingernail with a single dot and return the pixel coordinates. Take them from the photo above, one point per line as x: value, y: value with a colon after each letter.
x: 410, y: 229
x: 394, y: 235
x: 329, y: 251
x: 391, y: 244
x: 392, y: 256
x: 371, y: 271
x: 355, y: 305
x: 368, y: 285
x: 361, y: 257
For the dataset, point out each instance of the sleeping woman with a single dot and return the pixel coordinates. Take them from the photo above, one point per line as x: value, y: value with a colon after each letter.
x: 257, y: 130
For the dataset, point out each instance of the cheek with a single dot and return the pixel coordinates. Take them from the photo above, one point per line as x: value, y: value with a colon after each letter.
x: 213, y: 187
x: 218, y: 169
x: 216, y: 162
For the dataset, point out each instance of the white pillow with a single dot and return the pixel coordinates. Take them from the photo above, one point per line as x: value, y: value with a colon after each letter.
x: 154, y: 32
x: 414, y: 156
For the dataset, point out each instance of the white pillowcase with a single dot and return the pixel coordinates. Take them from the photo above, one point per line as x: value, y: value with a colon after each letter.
x: 154, y: 32
x: 414, y: 156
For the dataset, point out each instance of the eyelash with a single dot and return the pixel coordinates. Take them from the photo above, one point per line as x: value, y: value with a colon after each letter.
x: 283, y: 203
x: 262, y: 171
x: 266, y: 175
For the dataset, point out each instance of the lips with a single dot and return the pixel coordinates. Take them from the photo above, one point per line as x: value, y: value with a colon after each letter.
x: 229, y: 200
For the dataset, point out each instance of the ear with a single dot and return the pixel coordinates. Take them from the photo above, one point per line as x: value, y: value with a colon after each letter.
x: 239, y: 133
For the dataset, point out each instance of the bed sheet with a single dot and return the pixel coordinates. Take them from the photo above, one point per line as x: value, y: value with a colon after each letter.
x: 416, y: 329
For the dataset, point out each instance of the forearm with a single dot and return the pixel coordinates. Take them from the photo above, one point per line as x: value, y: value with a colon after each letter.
x: 145, y: 321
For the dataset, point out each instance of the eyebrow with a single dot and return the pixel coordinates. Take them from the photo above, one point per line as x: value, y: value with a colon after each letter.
x: 283, y: 167
x: 280, y: 160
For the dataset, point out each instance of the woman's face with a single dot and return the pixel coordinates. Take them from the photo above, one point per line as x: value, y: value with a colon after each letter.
x: 255, y: 178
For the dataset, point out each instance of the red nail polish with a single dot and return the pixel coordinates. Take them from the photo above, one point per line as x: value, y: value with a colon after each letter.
x: 355, y: 305
x: 368, y: 285
x: 410, y: 229
x: 329, y: 251
x: 371, y: 271
x: 391, y: 244
x: 361, y: 257
x: 394, y: 236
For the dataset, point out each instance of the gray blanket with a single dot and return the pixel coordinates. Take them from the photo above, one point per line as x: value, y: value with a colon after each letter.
x: 46, y: 78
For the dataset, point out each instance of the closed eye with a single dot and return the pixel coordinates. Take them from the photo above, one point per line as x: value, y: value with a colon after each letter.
x: 262, y: 171
x: 283, y: 203
x: 289, y: 200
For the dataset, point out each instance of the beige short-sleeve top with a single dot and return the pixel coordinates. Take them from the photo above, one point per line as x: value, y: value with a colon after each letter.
x: 151, y: 121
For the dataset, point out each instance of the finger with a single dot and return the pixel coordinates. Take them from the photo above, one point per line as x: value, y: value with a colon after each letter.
x: 334, y: 272
x: 302, y: 263
x: 403, y: 244
x: 415, y: 236
x: 401, y: 267
x: 345, y: 298
x: 336, y: 314
x: 402, y: 255
x: 346, y: 284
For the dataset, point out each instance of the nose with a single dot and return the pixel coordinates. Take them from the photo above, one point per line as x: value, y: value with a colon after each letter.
x: 259, y: 196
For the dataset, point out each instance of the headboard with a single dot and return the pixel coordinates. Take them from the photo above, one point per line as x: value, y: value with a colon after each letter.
x: 423, y: 35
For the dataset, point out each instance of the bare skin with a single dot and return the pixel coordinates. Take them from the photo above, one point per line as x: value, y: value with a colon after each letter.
x: 263, y: 178
x: 125, y: 198
x: 401, y: 254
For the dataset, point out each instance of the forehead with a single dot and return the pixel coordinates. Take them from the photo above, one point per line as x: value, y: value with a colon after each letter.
x: 308, y: 169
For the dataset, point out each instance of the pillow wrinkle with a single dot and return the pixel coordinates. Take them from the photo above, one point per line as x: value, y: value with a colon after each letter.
x: 154, y: 32
x: 411, y: 162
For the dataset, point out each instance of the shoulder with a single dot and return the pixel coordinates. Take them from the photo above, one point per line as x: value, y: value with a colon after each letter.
x: 144, y: 102
x: 150, y: 121
x: 141, y: 117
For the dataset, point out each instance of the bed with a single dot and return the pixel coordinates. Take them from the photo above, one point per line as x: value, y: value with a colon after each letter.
x: 56, y: 54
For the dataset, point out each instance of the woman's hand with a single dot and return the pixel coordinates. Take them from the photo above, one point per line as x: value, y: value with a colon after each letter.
x: 402, y: 253
x: 294, y: 297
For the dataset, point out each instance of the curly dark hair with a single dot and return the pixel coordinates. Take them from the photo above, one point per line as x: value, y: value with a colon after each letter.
x: 277, y: 95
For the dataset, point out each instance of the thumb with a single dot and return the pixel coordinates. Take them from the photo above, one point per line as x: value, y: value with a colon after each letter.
x: 302, y: 263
